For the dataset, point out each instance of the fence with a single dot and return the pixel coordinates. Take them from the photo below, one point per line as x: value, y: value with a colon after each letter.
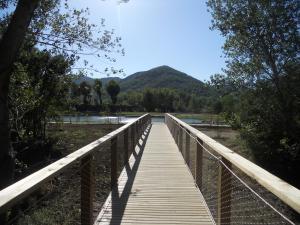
x: 236, y: 190
x: 85, y: 176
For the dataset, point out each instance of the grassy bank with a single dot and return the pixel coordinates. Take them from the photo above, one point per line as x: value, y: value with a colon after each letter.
x: 139, y: 113
x: 70, y: 137
x: 200, y: 116
x: 231, y: 139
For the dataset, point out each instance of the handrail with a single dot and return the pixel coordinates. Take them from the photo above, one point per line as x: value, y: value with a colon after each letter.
x: 284, y: 191
x: 21, y: 189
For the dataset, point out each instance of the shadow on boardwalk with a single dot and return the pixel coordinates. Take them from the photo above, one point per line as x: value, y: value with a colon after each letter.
x: 119, y: 200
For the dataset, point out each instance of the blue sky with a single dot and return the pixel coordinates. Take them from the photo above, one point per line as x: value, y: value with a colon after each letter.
x: 160, y: 32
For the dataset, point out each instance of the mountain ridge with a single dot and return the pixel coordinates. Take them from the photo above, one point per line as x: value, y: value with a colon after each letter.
x: 158, y: 77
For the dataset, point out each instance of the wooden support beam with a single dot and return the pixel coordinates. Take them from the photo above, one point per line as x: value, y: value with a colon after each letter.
x: 132, y: 138
x: 87, y: 190
x: 136, y: 135
x: 224, y: 193
x: 114, y: 162
x: 180, y: 138
x: 187, y: 148
x: 199, y: 163
x: 126, y: 148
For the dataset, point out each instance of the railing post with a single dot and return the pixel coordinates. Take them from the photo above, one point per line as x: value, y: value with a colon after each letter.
x: 177, y: 134
x: 199, y: 163
x: 187, y: 148
x: 133, y: 137
x: 126, y: 155
x: 180, y: 138
x: 87, y: 190
x: 224, y: 193
x: 136, y: 133
x: 139, y: 128
x: 174, y: 129
x: 114, y: 162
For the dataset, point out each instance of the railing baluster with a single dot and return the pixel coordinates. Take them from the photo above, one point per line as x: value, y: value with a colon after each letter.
x: 224, y: 195
x: 132, y: 138
x: 136, y: 133
x: 199, y: 163
x: 87, y: 190
x: 114, y: 162
x: 176, y: 134
x: 180, y: 138
x: 187, y: 148
x: 126, y: 155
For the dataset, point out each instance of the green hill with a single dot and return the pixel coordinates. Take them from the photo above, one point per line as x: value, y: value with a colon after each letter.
x: 159, y: 77
x: 162, y: 77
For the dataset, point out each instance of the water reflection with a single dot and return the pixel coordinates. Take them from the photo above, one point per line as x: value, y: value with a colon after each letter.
x: 115, y: 119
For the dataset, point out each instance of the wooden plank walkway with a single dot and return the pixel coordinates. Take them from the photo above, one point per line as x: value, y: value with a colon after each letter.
x: 156, y: 187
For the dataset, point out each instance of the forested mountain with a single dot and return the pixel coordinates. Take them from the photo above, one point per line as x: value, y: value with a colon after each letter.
x: 159, y: 77
x: 162, y: 77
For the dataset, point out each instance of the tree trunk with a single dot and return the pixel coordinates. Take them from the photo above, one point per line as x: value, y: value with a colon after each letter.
x: 9, y: 48
x: 6, y: 159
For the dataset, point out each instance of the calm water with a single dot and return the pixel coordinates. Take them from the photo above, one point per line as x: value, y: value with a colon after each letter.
x: 115, y: 119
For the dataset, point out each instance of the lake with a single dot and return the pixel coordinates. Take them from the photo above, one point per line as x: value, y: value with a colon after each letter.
x: 116, y: 119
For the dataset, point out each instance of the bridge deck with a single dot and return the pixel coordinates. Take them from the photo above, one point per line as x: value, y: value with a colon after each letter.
x: 156, y: 187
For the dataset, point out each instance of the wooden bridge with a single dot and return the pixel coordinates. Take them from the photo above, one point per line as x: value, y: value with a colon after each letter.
x: 175, y: 175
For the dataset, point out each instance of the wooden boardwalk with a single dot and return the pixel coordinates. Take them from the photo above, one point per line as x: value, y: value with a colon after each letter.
x: 156, y: 187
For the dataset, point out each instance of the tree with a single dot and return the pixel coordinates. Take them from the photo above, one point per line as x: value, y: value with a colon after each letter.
x: 85, y: 90
x: 39, y: 84
x: 262, y: 37
x: 74, y: 99
x: 10, y: 44
x: 98, y: 89
x: 63, y: 32
x: 113, y: 90
x: 262, y: 45
x: 75, y: 90
x: 148, y: 101
x: 195, y: 104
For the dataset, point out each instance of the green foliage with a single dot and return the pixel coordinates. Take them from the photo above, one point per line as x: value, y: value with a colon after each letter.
x: 148, y: 101
x: 113, y: 90
x: 85, y: 91
x: 74, y: 95
x: 261, y: 36
x: 39, y: 87
x: 67, y: 31
x: 164, y: 100
x: 98, y: 89
x: 269, y: 123
x: 260, y: 93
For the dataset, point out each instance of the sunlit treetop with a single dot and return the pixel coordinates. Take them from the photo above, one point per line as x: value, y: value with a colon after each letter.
x: 67, y: 31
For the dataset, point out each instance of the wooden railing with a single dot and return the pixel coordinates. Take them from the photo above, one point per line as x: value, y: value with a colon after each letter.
x: 284, y: 191
x: 23, y: 188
